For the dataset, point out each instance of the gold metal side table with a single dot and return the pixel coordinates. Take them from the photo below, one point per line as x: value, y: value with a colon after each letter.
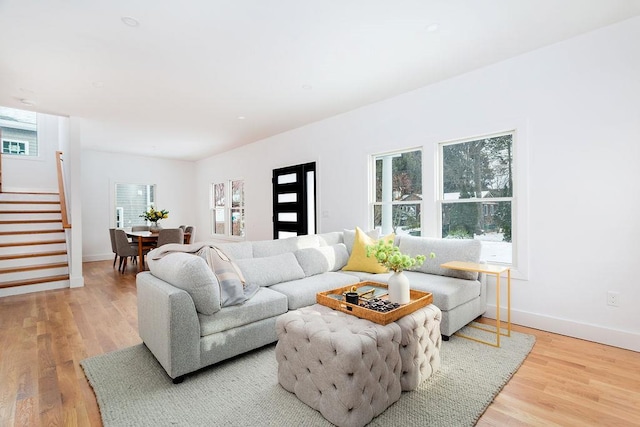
x: 496, y: 270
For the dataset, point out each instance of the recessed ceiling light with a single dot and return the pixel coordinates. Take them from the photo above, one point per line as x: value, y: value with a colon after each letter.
x: 432, y: 28
x: 307, y: 86
x: 130, y: 21
x: 28, y: 102
x: 98, y: 85
x: 241, y: 117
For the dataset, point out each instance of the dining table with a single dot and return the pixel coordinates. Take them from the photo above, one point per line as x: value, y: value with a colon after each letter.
x: 146, y: 239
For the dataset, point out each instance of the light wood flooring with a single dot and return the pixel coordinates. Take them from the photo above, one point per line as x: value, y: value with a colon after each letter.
x: 44, y: 336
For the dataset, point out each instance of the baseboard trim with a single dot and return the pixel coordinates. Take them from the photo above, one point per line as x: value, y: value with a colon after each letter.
x: 586, y: 331
x: 102, y: 257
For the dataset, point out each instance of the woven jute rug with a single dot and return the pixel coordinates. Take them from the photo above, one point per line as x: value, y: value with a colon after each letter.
x: 132, y: 389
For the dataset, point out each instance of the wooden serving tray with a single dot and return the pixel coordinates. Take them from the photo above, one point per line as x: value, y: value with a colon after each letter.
x: 418, y: 300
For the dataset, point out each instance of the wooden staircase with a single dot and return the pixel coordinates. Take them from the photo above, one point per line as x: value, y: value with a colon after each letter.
x: 33, y: 249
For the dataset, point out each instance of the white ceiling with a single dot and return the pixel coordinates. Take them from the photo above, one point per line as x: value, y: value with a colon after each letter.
x: 176, y: 85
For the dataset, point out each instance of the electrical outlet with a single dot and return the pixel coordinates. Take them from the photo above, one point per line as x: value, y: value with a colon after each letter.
x: 613, y: 299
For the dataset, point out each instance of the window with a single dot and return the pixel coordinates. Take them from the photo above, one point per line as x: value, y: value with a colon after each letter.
x: 18, y: 130
x: 397, y: 192
x: 227, y: 208
x: 476, y: 193
x: 131, y: 201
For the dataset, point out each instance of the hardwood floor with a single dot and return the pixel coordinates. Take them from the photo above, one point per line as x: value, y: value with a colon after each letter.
x: 44, y: 336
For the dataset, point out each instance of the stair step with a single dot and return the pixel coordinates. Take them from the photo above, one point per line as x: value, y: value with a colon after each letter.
x: 36, y: 211
x: 14, y: 273
x: 29, y: 221
x: 31, y: 255
x: 47, y: 197
x: 33, y: 267
x: 36, y: 216
x: 17, y: 232
x: 34, y: 281
x: 40, y: 242
x: 29, y: 202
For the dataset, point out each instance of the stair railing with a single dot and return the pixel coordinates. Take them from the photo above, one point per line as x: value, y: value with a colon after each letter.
x: 61, y: 186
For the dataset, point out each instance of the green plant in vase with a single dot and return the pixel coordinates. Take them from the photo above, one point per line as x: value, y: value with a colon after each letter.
x: 389, y: 256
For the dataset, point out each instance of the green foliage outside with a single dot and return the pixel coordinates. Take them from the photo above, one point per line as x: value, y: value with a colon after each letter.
x: 480, y: 169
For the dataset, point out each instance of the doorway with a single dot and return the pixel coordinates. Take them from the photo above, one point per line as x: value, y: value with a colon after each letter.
x: 294, y: 200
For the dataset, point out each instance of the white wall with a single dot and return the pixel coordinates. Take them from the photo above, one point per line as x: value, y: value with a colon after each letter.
x: 37, y: 173
x: 174, y: 182
x: 575, y: 104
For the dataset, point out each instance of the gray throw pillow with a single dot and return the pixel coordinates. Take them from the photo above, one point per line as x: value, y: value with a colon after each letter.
x: 270, y: 270
x: 320, y: 260
x: 191, y: 274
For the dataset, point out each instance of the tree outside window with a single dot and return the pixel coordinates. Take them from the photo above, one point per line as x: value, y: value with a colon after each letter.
x: 397, y: 205
x: 476, y: 193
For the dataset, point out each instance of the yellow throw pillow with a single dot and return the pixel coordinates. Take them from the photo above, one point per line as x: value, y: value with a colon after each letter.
x: 359, y: 261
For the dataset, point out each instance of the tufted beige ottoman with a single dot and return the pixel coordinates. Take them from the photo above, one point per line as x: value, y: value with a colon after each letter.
x: 420, y: 345
x: 345, y: 367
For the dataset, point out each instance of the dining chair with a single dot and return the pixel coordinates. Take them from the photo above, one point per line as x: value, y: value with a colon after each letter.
x: 191, y: 229
x: 124, y: 249
x: 183, y: 227
x: 138, y: 228
x: 112, y: 235
x: 170, y: 235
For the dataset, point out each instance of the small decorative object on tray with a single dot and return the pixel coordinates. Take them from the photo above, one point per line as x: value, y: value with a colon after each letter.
x: 381, y: 305
x: 377, y: 307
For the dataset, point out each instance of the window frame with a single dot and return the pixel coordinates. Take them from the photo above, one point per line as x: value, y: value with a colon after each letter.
x: 518, y: 178
x: 13, y: 141
x: 228, y: 209
x: 118, y: 220
x: 373, y: 183
x: 17, y: 124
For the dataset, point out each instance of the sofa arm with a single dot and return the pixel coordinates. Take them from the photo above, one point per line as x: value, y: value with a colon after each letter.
x: 168, y: 324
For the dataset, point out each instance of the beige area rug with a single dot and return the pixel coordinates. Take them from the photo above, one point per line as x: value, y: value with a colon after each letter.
x: 132, y: 389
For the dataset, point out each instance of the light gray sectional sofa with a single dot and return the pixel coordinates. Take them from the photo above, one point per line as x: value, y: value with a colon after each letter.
x: 183, y: 319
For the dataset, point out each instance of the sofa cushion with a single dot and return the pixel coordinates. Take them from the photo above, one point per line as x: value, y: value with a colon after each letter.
x: 332, y: 238
x: 239, y: 250
x: 320, y: 260
x: 265, y: 248
x: 264, y: 304
x: 448, y: 292
x: 349, y: 236
x: 301, y: 293
x: 446, y: 250
x: 267, y: 271
x: 191, y: 274
x: 359, y: 261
